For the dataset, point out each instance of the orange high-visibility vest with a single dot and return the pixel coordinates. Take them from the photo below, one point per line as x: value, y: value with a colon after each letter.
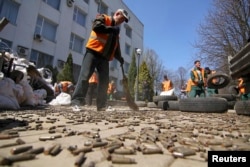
x: 65, y: 85
x: 111, y: 88
x: 93, y: 78
x: 167, y: 85
x: 189, y: 83
x: 241, y: 88
x: 97, y: 41
x: 195, y: 82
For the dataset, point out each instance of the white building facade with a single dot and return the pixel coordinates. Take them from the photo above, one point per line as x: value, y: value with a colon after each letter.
x: 47, y: 31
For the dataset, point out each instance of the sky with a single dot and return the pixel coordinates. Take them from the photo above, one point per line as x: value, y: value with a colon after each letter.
x: 170, y: 28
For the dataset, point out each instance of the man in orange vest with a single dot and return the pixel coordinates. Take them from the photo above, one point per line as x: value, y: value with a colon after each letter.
x: 188, y: 87
x: 242, y: 87
x: 102, y: 46
x: 64, y: 86
x: 167, y: 84
x: 111, y: 90
x: 199, y: 80
x: 93, y: 81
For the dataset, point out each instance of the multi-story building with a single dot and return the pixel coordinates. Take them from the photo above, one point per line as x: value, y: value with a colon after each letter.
x: 47, y: 31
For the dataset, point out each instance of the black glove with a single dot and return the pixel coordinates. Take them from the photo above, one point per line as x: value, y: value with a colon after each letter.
x: 116, y: 30
x: 200, y: 83
x: 121, y: 60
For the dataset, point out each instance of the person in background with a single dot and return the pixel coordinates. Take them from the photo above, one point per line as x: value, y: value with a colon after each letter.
x: 242, y: 85
x: 64, y: 86
x: 199, y: 80
x: 93, y: 81
x: 166, y: 84
x: 210, y: 91
x: 111, y: 90
x: 102, y: 47
x: 183, y: 91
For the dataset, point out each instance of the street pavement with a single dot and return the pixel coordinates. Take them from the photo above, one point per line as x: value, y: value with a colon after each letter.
x: 148, y: 137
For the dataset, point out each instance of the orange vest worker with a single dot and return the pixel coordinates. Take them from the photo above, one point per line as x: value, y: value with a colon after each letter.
x: 167, y: 85
x: 93, y: 78
x: 97, y: 42
x: 240, y: 86
x: 189, y: 84
x: 111, y: 88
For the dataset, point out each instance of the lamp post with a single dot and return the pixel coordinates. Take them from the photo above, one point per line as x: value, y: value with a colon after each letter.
x: 138, y: 53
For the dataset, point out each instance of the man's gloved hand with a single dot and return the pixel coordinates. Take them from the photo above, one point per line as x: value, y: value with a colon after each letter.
x: 200, y: 83
x: 116, y: 30
x: 121, y: 60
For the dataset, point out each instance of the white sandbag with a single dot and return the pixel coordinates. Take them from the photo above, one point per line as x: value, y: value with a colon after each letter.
x: 19, y: 93
x: 8, y: 103
x: 61, y: 99
x: 167, y: 93
x: 40, y: 95
x: 8, y: 99
x: 28, y: 93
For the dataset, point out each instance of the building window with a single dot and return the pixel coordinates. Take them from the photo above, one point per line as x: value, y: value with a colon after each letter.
x: 46, y: 28
x: 79, y: 17
x: 55, y: 3
x: 9, y: 9
x: 102, y: 8
x: 41, y: 59
x: 5, y: 45
x: 76, y: 43
x: 127, y: 49
x: 126, y: 67
x: 128, y: 31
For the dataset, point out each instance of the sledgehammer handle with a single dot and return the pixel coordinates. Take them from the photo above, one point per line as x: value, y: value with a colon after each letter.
x: 123, y: 74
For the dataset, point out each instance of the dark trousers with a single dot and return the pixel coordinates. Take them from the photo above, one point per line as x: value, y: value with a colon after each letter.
x: 91, y: 93
x: 92, y: 61
x: 197, y: 91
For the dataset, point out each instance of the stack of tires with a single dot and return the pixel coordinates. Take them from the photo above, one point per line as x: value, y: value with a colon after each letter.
x: 216, y: 104
x: 239, y: 67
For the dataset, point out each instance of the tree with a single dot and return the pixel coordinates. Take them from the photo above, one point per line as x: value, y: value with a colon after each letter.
x: 224, y: 33
x: 155, y: 68
x: 182, y: 77
x: 67, y: 72
x: 132, y: 74
x: 145, y: 78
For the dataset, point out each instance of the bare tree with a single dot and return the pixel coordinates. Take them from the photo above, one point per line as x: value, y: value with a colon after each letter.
x: 155, y: 67
x: 181, y: 78
x: 224, y: 33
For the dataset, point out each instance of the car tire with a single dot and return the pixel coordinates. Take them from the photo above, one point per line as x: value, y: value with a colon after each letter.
x: 228, y: 97
x: 156, y: 99
x: 152, y: 105
x: 242, y: 107
x: 224, y: 80
x: 206, y: 105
